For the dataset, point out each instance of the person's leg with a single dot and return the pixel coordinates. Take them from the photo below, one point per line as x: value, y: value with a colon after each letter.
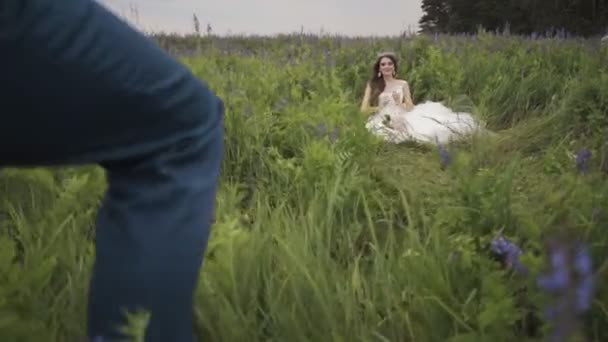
x: 80, y: 86
x: 152, y: 231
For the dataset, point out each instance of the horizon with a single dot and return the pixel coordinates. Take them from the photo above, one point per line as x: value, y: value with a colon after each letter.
x: 235, y: 17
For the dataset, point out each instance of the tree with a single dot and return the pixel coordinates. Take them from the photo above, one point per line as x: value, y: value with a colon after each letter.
x: 435, y: 17
x: 580, y: 17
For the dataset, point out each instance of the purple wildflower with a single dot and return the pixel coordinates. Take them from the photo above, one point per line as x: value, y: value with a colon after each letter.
x: 333, y: 135
x: 582, y: 160
x: 584, y: 291
x: 444, y: 156
x: 280, y: 104
x: 329, y: 60
x: 559, y: 279
x: 321, y: 130
x: 570, y: 284
x: 509, y: 254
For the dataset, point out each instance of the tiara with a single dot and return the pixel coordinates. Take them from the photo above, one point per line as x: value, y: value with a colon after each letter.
x: 386, y: 54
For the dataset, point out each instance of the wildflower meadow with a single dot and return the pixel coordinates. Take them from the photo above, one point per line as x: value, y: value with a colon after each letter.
x: 324, y: 233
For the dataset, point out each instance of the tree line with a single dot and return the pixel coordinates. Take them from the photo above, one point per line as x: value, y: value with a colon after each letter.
x: 525, y: 17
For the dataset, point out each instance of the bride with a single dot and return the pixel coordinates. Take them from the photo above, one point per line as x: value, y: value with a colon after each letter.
x: 395, y: 117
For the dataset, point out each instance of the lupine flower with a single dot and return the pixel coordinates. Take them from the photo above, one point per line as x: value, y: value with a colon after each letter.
x: 333, y: 135
x: 329, y: 60
x: 509, y: 254
x: 584, y: 291
x: 281, y: 104
x: 570, y: 283
x: 582, y: 160
x: 444, y: 156
x: 559, y: 279
x: 321, y: 130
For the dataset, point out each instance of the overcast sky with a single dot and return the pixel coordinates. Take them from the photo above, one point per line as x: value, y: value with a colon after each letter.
x: 349, y: 17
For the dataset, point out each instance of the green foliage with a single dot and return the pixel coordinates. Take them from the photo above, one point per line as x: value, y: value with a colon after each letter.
x: 324, y: 233
x: 583, y: 17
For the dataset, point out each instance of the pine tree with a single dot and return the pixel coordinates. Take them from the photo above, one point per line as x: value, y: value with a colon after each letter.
x: 435, y: 17
x: 580, y: 17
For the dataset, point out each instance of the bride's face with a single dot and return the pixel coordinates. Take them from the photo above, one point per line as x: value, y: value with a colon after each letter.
x: 387, y: 67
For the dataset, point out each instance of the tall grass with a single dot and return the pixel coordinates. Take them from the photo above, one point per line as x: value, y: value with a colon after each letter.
x: 322, y: 232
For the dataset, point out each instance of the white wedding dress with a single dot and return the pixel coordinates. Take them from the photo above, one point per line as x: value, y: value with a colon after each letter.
x: 429, y: 122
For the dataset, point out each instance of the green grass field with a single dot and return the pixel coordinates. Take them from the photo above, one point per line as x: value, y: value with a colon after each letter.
x: 324, y: 233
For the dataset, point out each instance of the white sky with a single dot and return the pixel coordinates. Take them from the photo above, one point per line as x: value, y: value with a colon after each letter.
x: 347, y: 17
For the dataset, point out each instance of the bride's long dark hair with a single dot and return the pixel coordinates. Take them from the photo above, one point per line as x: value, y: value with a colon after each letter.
x: 377, y: 83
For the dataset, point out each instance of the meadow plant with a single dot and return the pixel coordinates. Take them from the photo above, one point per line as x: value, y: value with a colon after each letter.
x: 324, y: 233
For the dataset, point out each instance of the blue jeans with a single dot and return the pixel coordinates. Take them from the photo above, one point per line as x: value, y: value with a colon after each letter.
x: 79, y: 86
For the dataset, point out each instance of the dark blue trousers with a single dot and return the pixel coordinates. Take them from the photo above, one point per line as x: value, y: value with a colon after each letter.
x: 79, y: 86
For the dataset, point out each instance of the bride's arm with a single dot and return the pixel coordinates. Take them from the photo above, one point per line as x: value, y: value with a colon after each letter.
x: 365, y: 107
x: 407, y: 97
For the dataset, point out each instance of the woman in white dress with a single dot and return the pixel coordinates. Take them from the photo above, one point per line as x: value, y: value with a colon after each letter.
x: 396, y: 119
